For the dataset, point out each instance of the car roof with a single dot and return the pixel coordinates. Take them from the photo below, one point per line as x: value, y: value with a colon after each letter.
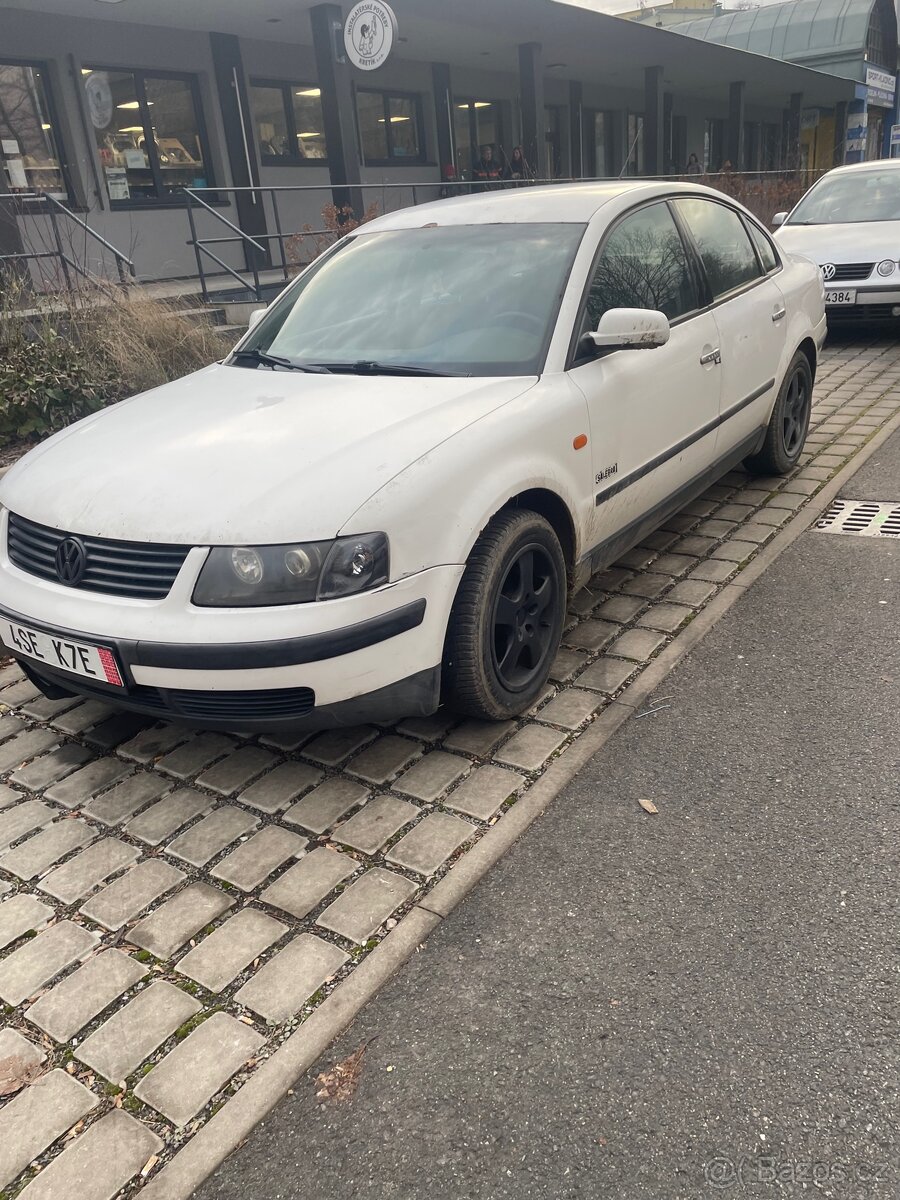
x: 875, y: 164
x: 564, y: 203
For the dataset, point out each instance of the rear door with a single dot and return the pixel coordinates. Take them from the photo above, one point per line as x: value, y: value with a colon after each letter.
x: 749, y: 311
x: 653, y: 413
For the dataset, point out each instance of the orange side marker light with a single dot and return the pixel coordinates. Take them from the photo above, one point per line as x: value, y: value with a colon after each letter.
x: 580, y: 442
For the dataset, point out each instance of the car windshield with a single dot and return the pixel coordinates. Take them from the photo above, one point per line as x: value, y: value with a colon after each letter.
x: 845, y: 199
x: 447, y: 300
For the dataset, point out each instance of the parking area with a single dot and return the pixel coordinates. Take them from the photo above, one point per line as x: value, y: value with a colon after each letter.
x: 175, y: 904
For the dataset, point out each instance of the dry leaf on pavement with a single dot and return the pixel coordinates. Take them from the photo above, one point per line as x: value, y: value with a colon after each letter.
x: 648, y: 806
x: 341, y: 1082
x: 15, y: 1073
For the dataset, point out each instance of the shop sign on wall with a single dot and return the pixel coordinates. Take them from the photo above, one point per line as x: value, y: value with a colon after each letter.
x: 99, y: 99
x: 880, y: 87
x: 369, y: 34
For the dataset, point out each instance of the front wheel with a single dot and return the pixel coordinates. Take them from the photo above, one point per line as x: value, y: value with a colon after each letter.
x: 507, y: 618
x: 789, y: 424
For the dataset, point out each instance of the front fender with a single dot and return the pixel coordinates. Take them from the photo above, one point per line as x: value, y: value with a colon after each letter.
x: 434, y: 510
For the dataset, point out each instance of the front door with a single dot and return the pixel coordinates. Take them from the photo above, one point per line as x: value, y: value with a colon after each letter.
x: 653, y: 413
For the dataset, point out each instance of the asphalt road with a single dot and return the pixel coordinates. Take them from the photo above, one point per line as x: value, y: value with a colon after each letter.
x: 698, y: 1003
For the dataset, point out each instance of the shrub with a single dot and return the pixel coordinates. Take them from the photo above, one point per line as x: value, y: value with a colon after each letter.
x: 303, y: 248
x: 47, y: 384
x: 66, y: 356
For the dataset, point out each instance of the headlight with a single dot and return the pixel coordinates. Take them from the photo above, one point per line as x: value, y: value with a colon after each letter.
x: 297, y: 573
x: 886, y: 267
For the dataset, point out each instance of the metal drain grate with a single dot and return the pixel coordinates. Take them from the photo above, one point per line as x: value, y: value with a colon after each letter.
x: 864, y: 518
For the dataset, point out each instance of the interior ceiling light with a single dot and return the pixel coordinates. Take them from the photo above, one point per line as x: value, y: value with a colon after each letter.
x: 309, y: 92
x: 134, y: 104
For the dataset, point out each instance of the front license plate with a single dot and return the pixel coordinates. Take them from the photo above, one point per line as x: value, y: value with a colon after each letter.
x: 91, y: 662
x: 835, y: 297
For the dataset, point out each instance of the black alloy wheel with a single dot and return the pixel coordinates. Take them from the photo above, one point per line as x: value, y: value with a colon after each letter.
x: 507, y: 618
x: 788, y: 426
x: 525, y: 618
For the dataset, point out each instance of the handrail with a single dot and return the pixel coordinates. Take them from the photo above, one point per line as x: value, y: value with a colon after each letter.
x: 55, y: 208
x: 192, y: 192
x: 121, y: 259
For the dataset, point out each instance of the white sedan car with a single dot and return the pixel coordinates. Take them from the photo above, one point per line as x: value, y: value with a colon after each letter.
x: 381, y: 497
x: 849, y: 223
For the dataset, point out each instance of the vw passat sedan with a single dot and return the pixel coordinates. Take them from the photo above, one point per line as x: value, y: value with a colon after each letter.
x: 382, y: 495
x: 849, y: 223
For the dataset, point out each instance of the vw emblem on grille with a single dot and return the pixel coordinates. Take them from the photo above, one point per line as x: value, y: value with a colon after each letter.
x: 71, y: 561
x: 828, y: 271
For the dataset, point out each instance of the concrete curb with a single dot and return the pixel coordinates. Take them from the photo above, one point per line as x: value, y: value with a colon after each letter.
x: 211, y: 1145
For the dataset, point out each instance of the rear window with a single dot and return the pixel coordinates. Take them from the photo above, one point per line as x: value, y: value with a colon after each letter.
x: 724, y: 244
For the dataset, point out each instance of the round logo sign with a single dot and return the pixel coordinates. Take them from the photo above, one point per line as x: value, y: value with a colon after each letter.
x: 369, y: 34
x: 99, y: 99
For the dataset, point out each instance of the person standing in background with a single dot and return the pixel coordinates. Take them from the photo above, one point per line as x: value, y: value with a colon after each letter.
x: 485, y: 170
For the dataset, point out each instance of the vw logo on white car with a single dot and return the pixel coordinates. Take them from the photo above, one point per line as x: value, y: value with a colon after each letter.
x: 71, y: 561
x: 828, y: 271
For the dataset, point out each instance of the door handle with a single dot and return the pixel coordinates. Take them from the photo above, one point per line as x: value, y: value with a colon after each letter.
x: 712, y: 356
x: 778, y: 314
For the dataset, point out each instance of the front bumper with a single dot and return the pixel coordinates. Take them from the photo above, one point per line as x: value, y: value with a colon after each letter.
x: 375, y: 657
x: 872, y: 303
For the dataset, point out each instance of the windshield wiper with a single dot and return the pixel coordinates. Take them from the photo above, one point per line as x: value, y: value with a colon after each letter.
x: 366, y: 366
x: 275, y: 360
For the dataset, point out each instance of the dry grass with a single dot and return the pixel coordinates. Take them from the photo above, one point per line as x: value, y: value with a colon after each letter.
x: 63, y: 355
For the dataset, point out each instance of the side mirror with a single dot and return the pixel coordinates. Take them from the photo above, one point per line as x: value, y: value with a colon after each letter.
x: 255, y: 317
x: 631, y: 329
x: 779, y: 219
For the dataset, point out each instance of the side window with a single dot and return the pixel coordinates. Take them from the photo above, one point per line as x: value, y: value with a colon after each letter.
x: 764, y: 247
x: 723, y: 242
x: 643, y: 265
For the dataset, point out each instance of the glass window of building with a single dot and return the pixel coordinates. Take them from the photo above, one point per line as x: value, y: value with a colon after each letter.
x: 595, y: 132
x: 148, y: 134
x: 635, y: 149
x: 290, y: 128
x: 476, y: 123
x: 28, y: 145
x: 390, y: 127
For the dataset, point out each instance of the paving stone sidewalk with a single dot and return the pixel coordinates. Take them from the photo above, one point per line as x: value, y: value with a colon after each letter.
x: 173, y: 904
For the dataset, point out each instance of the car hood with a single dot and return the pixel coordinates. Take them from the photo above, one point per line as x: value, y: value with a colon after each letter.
x: 862, y: 241
x: 236, y: 455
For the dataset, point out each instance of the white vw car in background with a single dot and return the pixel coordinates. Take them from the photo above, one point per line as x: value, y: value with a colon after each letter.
x: 849, y: 224
x: 382, y: 496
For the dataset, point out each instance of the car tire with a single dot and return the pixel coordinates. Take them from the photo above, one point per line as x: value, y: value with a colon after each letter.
x: 789, y: 423
x: 507, y: 618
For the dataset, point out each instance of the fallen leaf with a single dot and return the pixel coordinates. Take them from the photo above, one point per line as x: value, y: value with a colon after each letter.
x: 601, y: 1141
x: 15, y: 1073
x: 648, y: 806
x: 149, y: 1165
x: 341, y: 1082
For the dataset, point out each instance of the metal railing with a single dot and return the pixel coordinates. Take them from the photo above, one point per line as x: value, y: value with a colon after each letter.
x: 258, y: 247
x: 60, y: 217
x: 763, y: 192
